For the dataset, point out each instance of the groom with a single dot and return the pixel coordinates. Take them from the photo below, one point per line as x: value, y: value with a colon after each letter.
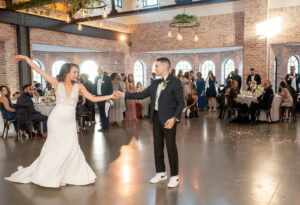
x: 167, y: 103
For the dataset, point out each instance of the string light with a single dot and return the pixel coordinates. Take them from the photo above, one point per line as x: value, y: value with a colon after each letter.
x: 79, y: 27
x: 83, y: 14
x: 196, y: 38
x: 169, y: 34
x: 104, y: 15
x: 68, y: 19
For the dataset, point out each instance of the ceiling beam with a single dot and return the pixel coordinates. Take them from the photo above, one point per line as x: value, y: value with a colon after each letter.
x: 153, y: 9
x: 29, y: 20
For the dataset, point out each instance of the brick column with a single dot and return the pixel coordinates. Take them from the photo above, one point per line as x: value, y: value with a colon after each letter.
x: 255, y: 52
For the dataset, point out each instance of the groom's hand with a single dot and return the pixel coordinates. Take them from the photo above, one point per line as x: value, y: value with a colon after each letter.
x: 121, y: 94
x: 170, y: 123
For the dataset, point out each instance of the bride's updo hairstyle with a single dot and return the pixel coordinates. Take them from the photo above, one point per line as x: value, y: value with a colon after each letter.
x: 65, y: 69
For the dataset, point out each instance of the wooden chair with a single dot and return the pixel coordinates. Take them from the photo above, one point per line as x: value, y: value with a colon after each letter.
x: 267, y: 111
x: 23, y: 113
x: 6, y: 122
x: 87, y: 114
x: 231, y: 110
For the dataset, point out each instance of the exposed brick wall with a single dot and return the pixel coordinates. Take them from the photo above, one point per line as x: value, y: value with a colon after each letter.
x: 8, y: 70
x: 255, y: 49
x: 215, y: 31
x: 290, y: 32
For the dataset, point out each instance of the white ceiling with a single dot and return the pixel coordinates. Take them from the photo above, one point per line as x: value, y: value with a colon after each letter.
x: 200, y: 50
x: 51, y: 48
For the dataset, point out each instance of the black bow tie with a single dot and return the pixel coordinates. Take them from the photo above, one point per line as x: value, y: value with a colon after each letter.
x: 160, y: 80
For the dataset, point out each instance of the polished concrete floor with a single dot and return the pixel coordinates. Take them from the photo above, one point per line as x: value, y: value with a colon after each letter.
x: 220, y: 164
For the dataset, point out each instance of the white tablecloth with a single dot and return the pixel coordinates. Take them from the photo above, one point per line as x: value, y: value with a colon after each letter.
x: 274, y: 109
x: 145, y: 103
x: 44, y: 108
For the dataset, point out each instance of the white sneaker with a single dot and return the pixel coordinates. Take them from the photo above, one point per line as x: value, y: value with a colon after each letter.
x: 159, y: 177
x: 174, y: 181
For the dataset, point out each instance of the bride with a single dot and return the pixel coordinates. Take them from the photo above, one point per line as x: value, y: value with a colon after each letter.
x: 61, y: 160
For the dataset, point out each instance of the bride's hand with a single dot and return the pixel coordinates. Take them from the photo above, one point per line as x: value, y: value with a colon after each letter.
x: 18, y: 58
x: 115, y: 95
x: 121, y: 94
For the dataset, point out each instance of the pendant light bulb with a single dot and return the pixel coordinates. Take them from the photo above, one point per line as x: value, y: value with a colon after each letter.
x: 79, y: 27
x: 196, y: 38
x: 68, y: 19
x: 169, y: 34
x: 104, y: 15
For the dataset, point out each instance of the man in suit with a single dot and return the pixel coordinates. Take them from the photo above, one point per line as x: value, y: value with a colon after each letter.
x: 235, y: 76
x: 26, y: 98
x: 293, y: 79
x: 253, y: 77
x: 103, y: 86
x: 167, y: 103
x: 84, y: 79
x: 262, y: 101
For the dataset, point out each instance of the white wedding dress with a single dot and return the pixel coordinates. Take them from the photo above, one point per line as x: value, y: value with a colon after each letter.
x: 61, y: 160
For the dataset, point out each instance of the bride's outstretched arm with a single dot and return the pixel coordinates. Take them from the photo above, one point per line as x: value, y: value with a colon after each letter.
x: 53, y: 81
x: 83, y: 91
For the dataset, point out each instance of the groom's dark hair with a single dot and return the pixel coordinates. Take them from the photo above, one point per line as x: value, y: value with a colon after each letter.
x: 165, y: 61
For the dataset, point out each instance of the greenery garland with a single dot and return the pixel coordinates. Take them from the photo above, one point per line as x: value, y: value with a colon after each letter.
x: 184, y: 18
x: 37, y: 6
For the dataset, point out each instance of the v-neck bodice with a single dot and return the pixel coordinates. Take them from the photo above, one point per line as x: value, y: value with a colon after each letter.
x: 61, y: 96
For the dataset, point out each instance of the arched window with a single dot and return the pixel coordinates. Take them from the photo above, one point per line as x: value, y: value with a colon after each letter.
x: 228, y: 67
x: 37, y: 77
x: 207, y: 66
x: 139, y: 72
x: 90, y: 68
x: 184, y: 66
x: 56, y: 67
x: 293, y: 61
x: 153, y: 67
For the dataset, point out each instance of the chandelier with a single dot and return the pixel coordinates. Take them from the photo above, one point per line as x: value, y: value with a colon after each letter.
x: 184, y: 21
x: 73, y: 7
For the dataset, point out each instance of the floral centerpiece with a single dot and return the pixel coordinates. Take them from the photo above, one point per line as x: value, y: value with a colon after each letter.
x: 49, y: 96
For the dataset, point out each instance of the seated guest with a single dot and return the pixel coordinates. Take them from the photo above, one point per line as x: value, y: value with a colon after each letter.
x: 191, y: 104
x: 26, y: 98
x: 10, y: 111
x: 15, y: 97
x: 221, y: 96
x: 38, y: 88
x: 262, y: 101
x: 287, y: 100
x: 253, y: 76
x: 290, y: 88
x: 236, y: 103
x: 252, y: 87
x: 293, y: 79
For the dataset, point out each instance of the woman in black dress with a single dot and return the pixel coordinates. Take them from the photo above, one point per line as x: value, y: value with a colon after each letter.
x: 211, y: 93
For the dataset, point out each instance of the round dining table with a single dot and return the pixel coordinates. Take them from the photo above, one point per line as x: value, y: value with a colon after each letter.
x: 274, y: 110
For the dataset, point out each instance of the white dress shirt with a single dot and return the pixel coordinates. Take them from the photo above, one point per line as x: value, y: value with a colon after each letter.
x: 158, y: 92
x: 99, y: 84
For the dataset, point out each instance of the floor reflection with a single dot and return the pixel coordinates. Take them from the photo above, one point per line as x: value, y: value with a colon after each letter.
x: 220, y: 164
